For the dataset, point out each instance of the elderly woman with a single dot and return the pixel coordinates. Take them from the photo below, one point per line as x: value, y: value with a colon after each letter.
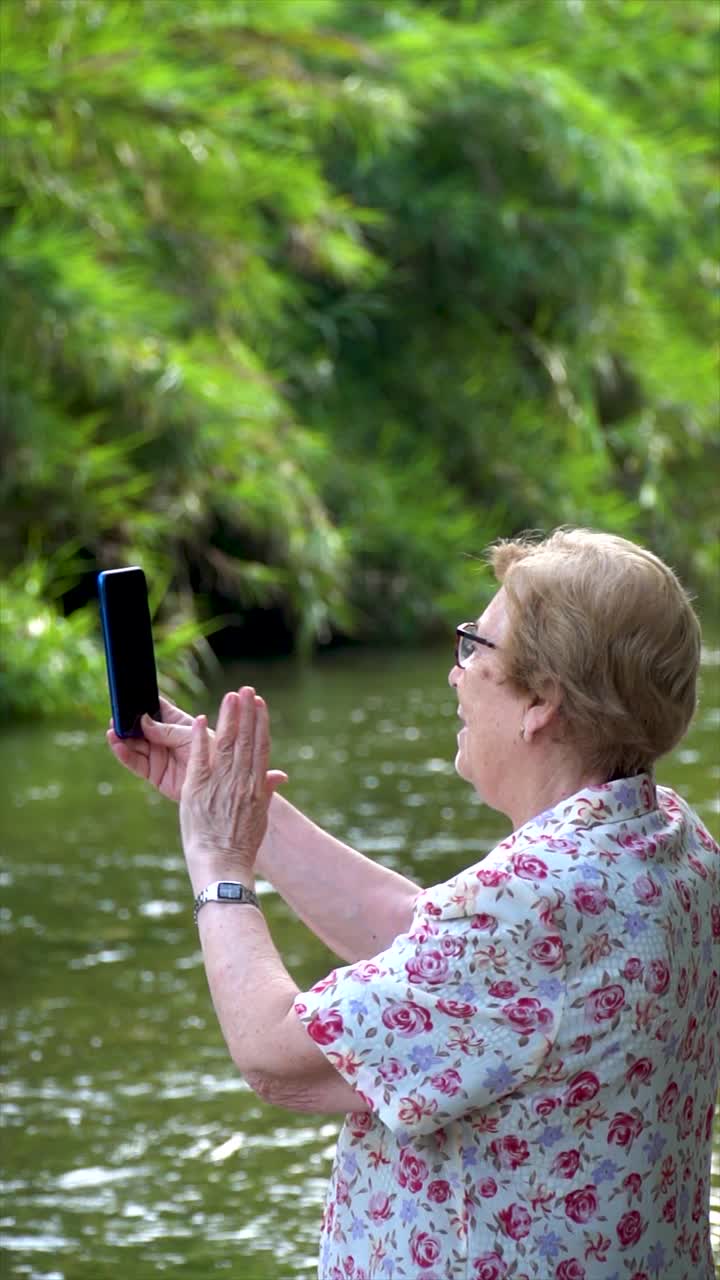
x: 528, y: 1054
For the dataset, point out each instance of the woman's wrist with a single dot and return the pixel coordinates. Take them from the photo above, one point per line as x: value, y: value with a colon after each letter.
x: 206, y: 866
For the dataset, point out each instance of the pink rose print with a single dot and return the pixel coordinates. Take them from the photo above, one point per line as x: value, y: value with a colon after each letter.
x: 683, y: 894
x: 640, y: 1071
x: 590, y: 901
x: 424, y: 1249
x: 715, y: 921
x: 604, y: 1002
x: 633, y: 969
x: 657, y: 977
x: 392, y: 1070
x: 646, y: 890
x: 489, y: 1267
x: 528, y: 867
x: 325, y: 1026
x: 709, y: 1121
x: 526, y: 1014
x: 629, y: 1229
x: 545, y: 1106
x: 447, y: 1082
x: 411, y: 1171
x: 483, y: 920
x: 581, y: 1088
x: 713, y: 987
x: 683, y: 988
x: 667, y: 1101
x: 414, y: 1107
x: 668, y: 1174
x: 570, y: 1269
x: 365, y: 972
x: 581, y: 1044
x: 360, y: 1123
x: 407, y: 1018
x: 688, y: 1040
x: 492, y: 876
x: 669, y: 1209
x: 697, y: 866
x: 439, y: 1191
x: 549, y: 951
x: 457, y: 1008
x: 453, y: 947
x: 686, y: 1116
x: 487, y: 1187
x: 429, y: 967
x: 516, y: 1221
x: 379, y: 1206
x: 566, y: 1164
x: 503, y: 990
x: 624, y: 1129
x: 632, y: 1184
x: 509, y: 1152
x: 581, y: 1206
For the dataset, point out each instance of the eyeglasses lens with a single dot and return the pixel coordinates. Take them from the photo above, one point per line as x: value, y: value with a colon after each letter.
x: 466, y: 648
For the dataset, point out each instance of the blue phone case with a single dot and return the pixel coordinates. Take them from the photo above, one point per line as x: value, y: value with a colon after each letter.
x: 129, y: 654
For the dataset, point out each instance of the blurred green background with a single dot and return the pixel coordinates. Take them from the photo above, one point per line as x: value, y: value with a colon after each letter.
x: 305, y: 301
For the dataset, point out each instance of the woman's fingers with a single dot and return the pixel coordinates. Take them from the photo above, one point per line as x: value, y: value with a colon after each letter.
x: 130, y: 752
x: 243, y: 754
x: 198, y: 769
x: 261, y: 746
x: 174, y: 715
x: 166, y: 735
x: 226, y: 732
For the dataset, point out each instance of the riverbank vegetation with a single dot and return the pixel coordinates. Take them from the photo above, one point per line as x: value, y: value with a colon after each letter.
x: 307, y: 300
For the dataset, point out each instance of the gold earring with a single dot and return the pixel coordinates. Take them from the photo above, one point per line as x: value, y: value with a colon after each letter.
x: 522, y: 732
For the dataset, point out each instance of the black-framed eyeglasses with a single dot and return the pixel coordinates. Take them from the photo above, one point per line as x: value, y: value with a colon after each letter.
x: 466, y: 638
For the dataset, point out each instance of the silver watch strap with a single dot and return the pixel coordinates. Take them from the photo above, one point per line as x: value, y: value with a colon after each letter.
x: 224, y: 891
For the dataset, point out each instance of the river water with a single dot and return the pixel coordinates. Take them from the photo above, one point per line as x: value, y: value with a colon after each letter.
x: 131, y: 1147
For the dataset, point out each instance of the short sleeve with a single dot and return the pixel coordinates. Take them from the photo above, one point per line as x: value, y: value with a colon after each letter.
x: 459, y: 1011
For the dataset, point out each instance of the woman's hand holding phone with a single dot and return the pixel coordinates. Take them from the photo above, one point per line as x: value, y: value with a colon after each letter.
x: 161, y: 756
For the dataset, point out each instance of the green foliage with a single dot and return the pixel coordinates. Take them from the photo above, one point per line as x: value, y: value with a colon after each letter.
x: 307, y: 300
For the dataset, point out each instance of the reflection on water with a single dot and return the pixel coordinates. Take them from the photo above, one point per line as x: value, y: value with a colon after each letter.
x: 132, y: 1148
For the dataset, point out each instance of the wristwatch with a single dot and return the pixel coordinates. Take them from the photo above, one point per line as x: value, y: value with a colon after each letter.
x: 225, y: 891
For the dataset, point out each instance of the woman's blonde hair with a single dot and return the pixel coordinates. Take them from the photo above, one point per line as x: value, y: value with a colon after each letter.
x: 608, y: 624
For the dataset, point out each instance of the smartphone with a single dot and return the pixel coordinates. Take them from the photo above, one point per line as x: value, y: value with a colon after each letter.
x: 129, y: 651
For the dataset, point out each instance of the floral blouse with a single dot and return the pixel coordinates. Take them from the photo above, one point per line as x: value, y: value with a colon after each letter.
x: 541, y: 1053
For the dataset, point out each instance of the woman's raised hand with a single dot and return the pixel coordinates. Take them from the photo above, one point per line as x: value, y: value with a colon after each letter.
x: 162, y: 756
x: 228, y: 787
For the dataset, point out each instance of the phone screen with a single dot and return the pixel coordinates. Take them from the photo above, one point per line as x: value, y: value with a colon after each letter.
x: 129, y: 651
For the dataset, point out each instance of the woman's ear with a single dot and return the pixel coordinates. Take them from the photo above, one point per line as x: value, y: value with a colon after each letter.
x: 543, y: 711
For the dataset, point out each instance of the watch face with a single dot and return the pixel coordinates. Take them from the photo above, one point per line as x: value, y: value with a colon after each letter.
x: 226, y: 890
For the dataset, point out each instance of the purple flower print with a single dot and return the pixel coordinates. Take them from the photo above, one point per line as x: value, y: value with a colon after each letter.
x: 635, y: 923
x: 626, y: 795
x: 654, y: 1147
x: 424, y: 1056
x: 548, y: 1245
x: 550, y: 988
x: 551, y: 1134
x: 605, y: 1171
x: 409, y: 1212
x: 499, y: 1079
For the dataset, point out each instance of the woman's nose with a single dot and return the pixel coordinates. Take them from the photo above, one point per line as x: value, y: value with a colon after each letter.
x: 454, y: 675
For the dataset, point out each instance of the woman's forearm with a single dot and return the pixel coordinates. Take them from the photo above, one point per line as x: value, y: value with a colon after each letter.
x: 356, y: 906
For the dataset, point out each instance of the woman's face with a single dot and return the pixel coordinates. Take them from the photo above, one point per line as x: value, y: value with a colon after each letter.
x: 491, y: 711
